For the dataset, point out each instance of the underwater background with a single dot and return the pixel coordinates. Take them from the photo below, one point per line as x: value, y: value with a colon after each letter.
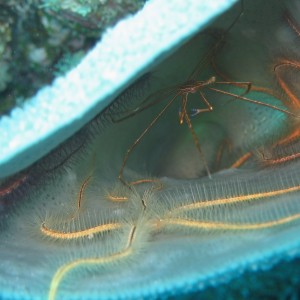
x: 203, y: 203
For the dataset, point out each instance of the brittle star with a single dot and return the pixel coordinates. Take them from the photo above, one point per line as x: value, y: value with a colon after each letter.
x: 155, y: 213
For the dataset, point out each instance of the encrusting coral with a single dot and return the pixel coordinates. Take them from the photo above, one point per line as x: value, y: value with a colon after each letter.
x: 43, y: 39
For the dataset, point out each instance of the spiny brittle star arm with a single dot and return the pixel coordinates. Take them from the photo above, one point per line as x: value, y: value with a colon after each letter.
x: 236, y: 199
x: 228, y: 226
x: 66, y: 268
x: 62, y: 235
